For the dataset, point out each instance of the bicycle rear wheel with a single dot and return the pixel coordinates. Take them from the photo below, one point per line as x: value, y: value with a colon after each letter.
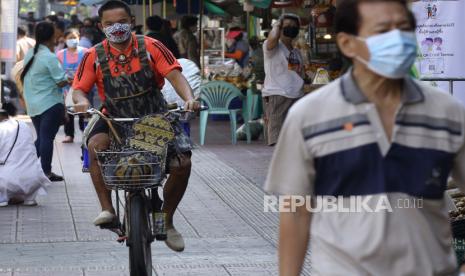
x: 139, y: 237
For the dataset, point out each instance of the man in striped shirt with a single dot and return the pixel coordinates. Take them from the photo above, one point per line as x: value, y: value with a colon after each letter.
x: 129, y: 72
x: 379, y: 143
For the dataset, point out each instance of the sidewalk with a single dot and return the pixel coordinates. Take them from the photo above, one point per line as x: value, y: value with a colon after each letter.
x: 221, y: 218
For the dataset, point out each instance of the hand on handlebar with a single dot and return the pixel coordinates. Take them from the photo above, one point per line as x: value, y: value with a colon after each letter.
x: 192, y: 105
x: 81, y: 107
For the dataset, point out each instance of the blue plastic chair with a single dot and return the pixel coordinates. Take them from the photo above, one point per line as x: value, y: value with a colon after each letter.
x: 217, y: 95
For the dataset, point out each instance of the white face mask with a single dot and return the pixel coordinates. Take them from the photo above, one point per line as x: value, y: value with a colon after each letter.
x: 72, y: 43
x: 392, y: 54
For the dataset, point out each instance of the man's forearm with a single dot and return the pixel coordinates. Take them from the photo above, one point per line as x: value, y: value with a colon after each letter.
x: 294, y: 230
x: 273, y: 37
x: 79, y: 97
x: 180, y: 85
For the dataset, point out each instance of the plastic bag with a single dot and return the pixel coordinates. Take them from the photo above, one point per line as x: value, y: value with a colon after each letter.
x: 192, y: 74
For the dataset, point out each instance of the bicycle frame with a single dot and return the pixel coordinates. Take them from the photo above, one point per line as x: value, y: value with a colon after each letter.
x: 139, y: 179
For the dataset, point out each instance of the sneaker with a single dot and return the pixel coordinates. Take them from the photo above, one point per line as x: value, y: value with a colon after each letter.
x: 104, y: 217
x: 174, y: 240
x: 30, y: 202
x: 4, y: 204
x: 68, y: 140
x: 54, y: 177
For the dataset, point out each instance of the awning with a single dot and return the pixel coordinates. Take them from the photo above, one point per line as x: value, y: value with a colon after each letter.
x: 263, y: 4
x: 91, y: 2
x: 214, y: 9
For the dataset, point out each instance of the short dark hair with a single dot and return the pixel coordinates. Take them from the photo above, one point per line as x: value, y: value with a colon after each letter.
x: 154, y: 23
x: 8, y: 109
x: 114, y: 4
x: 60, y: 25
x: 254, y: 42
x: 347, y: 18
x: 290, y: 16
x: 87, y: 32
x: 22, y: 31
x: 188, y: 21
x: 71, y: 31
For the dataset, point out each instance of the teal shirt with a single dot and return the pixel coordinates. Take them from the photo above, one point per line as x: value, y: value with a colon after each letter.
x: 40, y: 83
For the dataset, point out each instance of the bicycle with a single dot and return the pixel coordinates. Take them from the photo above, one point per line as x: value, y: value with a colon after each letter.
x: 138, y: 170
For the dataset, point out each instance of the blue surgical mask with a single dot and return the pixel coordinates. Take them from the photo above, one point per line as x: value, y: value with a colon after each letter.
x: 72, y: 43
x: 392, y: 54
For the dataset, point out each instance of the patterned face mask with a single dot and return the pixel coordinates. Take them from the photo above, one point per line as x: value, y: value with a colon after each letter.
x: 118, y: 33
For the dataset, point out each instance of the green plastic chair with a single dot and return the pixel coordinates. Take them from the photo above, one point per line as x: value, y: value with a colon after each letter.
x: 217, y: 95
x: 254, y: 103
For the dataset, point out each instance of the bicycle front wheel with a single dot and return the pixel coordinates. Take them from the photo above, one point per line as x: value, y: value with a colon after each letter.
x: 139, y: 237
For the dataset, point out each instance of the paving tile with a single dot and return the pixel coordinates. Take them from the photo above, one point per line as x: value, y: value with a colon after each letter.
x: 220, y: 217
x: 192, y: 271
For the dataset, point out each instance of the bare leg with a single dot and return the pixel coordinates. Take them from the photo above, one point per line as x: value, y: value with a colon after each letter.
x: 180, y: 170
x: 99, y: 142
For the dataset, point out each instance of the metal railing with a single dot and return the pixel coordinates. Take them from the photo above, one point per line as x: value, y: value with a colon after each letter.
x: 449, y: 80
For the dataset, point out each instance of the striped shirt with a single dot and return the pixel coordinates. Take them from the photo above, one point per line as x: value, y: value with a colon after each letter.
x: 333, y: 144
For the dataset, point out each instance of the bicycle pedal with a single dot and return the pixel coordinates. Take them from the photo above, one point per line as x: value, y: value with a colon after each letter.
x: 111, y: 225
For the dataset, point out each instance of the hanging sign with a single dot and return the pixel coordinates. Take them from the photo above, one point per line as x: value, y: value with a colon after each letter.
x: 440, y: 38
x: 8, y: 26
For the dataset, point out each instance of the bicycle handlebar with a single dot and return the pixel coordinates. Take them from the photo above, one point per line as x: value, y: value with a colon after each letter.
x: 93, y: 111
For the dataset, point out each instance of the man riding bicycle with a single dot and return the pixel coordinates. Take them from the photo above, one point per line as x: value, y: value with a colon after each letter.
x: 129, y: 72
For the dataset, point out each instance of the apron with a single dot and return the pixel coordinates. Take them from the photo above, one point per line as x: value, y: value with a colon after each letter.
x: 134, y: 95
x: 71, y: 68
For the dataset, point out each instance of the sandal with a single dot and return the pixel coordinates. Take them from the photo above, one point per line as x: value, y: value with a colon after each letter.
x: 54, y: 177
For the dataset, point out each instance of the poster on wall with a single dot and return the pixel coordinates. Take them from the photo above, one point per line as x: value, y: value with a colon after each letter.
x: 441, y: 42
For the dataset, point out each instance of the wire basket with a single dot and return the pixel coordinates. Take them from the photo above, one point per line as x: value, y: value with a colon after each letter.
x: 131, y: 170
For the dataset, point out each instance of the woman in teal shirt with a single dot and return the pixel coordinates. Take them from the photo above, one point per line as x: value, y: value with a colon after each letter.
x: 42, y: 79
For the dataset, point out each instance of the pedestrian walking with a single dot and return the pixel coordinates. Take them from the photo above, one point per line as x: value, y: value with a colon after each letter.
x: 42, y: 79
x: 159, y: 29
x: 186, y: 40
x: 70, y: 58
x: 86, y: 37
x: 377, y: 137
x: 283, y: 74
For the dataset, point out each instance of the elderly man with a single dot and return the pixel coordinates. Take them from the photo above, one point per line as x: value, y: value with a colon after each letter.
x: 374, y: 136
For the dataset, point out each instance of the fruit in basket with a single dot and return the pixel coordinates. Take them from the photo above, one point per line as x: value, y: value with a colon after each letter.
x: 459, y: 202
x: 132, y: 169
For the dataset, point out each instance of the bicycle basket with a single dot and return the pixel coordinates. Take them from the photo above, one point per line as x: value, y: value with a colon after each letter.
x: 131, y: 170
